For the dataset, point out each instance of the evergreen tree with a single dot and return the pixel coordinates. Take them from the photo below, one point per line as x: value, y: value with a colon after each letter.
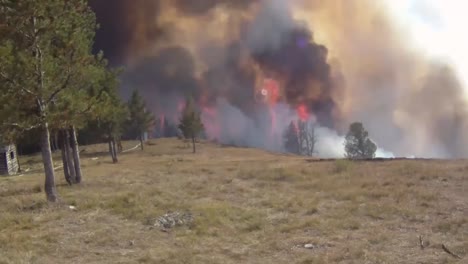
x: 112, y: 126
x: 141, y: 120
x: 191, y: 124
x: 45, y: 59
x: 77, y: 106
x: 291, y: 139
x: 358, y: 145
x: 114, y: 114
x: 110, y: 114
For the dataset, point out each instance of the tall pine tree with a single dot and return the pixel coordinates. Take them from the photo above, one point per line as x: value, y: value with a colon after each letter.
x: 77, y: 105
x: 113, y: 114
x: 141, y: 120
x: 191, y: 124
x: 45, y: 56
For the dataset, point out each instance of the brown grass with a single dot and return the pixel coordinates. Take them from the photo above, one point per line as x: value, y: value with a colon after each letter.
x: 249, y: 206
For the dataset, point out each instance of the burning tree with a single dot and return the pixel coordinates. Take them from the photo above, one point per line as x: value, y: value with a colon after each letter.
x: 300, y: 138
x: 307, y: 137
x: 165, y: 128
x: 191, y: 124
x: 292, y: 143
x: 358, y: 145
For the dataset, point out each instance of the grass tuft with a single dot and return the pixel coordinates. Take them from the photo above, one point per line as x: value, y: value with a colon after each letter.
x: 342, y: 166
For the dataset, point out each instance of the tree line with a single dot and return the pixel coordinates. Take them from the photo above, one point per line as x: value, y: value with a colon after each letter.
x: 300, y: 138
x: 53, y: 85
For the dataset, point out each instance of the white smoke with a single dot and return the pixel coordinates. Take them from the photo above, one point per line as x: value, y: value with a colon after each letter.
x: 331, y: 145
x: 234, y: 127
x: 381, y: 153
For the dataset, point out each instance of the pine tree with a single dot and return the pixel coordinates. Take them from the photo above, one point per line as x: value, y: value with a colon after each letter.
x: 110, y: 114
x: 45, y: 64
x: 191, y: 124
x: 292, y: 142
x: 77, y: 106
x: 141, y: 120
x: 112, y: 126
x: 358, y: 145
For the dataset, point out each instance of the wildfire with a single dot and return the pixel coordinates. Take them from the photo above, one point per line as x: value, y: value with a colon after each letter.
x: 211, y: 122
x: 270, y: 91
x: 258, y: 72
x: 332, y: 61
x: 162, y: 121
x: 268, y: 98
x: 302, y: 112
x: 296, y: 127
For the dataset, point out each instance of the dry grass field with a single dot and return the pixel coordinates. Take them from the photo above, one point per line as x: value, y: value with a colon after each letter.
x: 239, y: 206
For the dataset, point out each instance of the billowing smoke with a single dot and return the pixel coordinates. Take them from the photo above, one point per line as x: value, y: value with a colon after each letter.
x: 255, y: 66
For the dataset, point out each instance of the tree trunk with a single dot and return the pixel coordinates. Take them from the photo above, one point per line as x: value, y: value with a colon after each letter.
x: 50, y: 188
x: 312, y: 144
x: 119, y: 144
x: 114, y: 148
x: 141, y: 141
x: 52, y: 143
x: 111, y: 152
x: 66, y: 168
x: 193, y: 145
x: 76, y: 154
x: 56, y: 140
x: 307, y: 139
x: 70, y: 161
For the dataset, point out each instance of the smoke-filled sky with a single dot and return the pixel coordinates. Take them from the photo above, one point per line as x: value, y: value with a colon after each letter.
x: 254, y: 66
x: 436, y: 27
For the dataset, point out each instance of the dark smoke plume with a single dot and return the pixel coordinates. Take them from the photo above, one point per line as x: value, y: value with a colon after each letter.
x: 119, y: 22
x: 335, y: 61
x: 303, y: 66
x: 203, y: 6
x: 295, y: 60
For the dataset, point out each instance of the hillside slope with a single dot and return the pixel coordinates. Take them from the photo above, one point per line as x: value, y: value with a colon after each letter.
x: 237, y: 206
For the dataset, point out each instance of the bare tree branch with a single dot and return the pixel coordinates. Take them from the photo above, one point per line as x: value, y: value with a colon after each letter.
x: 66, y: 82
x: 59, y: 89
x: 6, y: 78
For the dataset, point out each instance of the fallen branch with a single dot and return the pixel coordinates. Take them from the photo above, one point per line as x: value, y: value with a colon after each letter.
x: 450, y: 252
x: 128, y: 150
